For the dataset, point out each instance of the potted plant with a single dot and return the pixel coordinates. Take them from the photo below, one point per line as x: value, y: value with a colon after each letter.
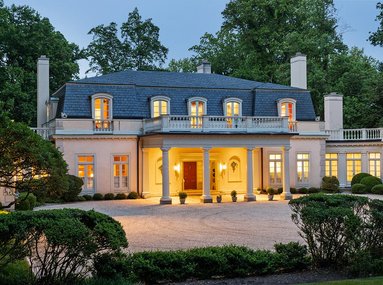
x: 182, y: 196
x: 233, y: 196
x: 259, y: 191
x: 219, y: 198
x: 270, y: 193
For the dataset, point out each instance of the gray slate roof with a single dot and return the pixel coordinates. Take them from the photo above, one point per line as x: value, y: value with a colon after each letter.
x: 132, y: 90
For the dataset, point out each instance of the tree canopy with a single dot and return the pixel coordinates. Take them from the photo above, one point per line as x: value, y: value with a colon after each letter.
x: 24, y: 37
x: 376, y: 38
x: 136, y: 47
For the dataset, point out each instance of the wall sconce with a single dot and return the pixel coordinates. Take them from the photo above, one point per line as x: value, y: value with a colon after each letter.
x: 222, y: 168
x: 177, y: 169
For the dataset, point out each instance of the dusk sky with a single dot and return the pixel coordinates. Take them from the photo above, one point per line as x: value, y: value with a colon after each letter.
x: 183, y: 22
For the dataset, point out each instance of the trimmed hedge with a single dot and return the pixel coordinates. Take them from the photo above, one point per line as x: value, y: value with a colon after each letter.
x: 370, y: 181
x: 358, y: 177
x: 293, y: 190
x: 88, y: 197
x: 120, y: 196
x: 74, y: 188
x: 25, y: 202
x: 15, y: 273
x: 303, y: 190
x: 132, y: 195
x: 377, y: 189
x: 98, y: 197
x: 330, y: 184
x: 358, y: 188
x: 109, y: 196
x: 313, y: 190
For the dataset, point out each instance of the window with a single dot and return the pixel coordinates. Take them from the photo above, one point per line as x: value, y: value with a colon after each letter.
x: 120, y: 171
x: 85, y: 170
x: 354, y: 165
x: 233, y: 107
x: 197, y: 109
x: 275, y: 168
x: 331, y: 164
x: 303, y: 167
x: 102, y: 111
x: 374, y: 163
x: 160, y: 105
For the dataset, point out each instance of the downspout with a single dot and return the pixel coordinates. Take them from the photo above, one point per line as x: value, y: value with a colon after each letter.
x: 261, y: 168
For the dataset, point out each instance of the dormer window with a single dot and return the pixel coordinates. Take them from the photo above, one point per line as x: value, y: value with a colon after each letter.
x: 232, y: 107
x: 160, y: 105
x: 286, y: 108
x: 102, y: 112
x: 197, y: 108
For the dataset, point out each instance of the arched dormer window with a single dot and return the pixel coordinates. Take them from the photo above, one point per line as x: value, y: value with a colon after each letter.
x: 102, y: 114
x: 232, y: 107
x: 159, y: 105
x: 286, y: 108
x: 197, y: 107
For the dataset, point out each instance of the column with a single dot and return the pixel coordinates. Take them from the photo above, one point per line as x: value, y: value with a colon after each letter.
x: 364, y: 162
x: 206, y: 197
x: 165, y: 199
x: 342, y: 169
x: 249, y: 193
x: 145, y: 173
x: 286, y: 194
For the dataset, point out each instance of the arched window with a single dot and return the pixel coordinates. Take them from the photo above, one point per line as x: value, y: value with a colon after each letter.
x: 160, y: 105
x: 102, y: 111
x: 197, y: 107
x: 286, y: 108
x: 232, y: 107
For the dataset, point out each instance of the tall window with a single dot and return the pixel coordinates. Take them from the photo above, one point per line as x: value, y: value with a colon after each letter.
x: 275, y: 168
x: 374, y: 163
x: 354, y: 165
x: 120, y: 171
x: 331, y: 167
x: 286, y: 108
x: 102, y: 111
x: 197, y: 109
x: 160, y: 105
x: 303, y: 167
x: 85, y: 170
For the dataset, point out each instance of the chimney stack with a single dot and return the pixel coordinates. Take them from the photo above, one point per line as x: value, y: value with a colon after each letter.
x: 204, y: 67
x: 42, y: 90
x: 298, y: 69
x: 333, y: 111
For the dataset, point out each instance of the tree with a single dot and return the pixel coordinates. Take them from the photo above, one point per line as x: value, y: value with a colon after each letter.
x: 24, y: 156
x: 137, y: 47
x: 182, y: 65
x: 376, y: 38
x: 24, y: 36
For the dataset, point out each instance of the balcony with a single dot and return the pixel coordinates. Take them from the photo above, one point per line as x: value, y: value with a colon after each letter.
x: 103, y: 126
x: 43, y: 132
x: 220, y: 124
x: 355, y: 134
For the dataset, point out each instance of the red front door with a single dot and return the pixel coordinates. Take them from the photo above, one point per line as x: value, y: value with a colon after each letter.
x: 190, y: 175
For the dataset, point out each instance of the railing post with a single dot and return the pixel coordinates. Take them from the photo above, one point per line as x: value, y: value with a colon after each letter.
x: 364, y: 134
x: 205, y: 122
x: 165, y: 123
x: 285, y: 123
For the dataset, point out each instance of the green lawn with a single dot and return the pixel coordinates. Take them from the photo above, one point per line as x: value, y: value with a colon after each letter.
x: 367, y: 281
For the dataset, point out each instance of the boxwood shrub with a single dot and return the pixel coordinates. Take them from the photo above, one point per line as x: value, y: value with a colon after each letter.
x: 330, y: 184
x: 132, y: 195
x: 98, y: 197
x: 358, y: 188
x: 313, y: 190
x: 109, y: 196
x: 293, y: 190
x: 303, y: 190
x: 377, y: 189
x: 120, y: 196
x: 88, y: 197
x: 358, y: 177
x: 25, y: 202
x: 370, y: 181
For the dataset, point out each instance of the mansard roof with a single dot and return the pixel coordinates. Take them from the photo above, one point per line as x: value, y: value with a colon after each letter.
x: 132, y: 90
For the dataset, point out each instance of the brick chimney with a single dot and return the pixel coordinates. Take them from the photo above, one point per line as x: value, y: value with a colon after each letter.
x: 42, y: 90
x: 204, y: 67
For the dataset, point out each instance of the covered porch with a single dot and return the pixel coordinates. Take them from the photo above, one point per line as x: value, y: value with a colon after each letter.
x: 208, y: 165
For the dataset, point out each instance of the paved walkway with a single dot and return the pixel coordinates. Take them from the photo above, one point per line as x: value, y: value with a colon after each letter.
x: 150, y: 226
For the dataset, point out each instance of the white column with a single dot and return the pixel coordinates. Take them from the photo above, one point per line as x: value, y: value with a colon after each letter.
x: 165, y: 199
x: 249, y: 194
x: 286, y: 194
x: 364, y: 162
x: 145, y: 173
x: 342, y: 169
x: 206, y: 197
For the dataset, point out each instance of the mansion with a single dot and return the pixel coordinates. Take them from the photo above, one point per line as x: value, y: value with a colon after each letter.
x: 159, y: 133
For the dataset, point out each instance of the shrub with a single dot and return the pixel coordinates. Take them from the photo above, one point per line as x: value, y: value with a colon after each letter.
x: 370, y: 181
x: 182, y: 195
x: 364, y: 264
x: 358, y: 177
x: 330, y: 184
x: 132, y: 195
x: 74, y: 188
x: 25, y: 202
x: 15, y: 273
x: 293, y: 190
x: 233, y: 193
x: 270, y: 191
x: 109, y: 196
x: 291, y: 256
x: 313, y: 190
x: 377, y: 189
x: 98, y: 197
x: 358, y: 189
x: 112, y: 266
x: 303, y: 190
x: 280, y: 190
x: 120, y: 196
x: 81, y: 198
x: 60, y: 244
x: 88, y: 197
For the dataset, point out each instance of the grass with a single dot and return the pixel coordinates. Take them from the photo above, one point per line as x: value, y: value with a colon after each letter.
x: 366, y: 281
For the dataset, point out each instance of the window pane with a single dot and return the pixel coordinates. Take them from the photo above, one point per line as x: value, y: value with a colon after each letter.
x: 81, y: 171
x: 106, y: 109
x: 97, y: 109
x: 200, y: 109
x: 283, y: 110
x: 156, y: 108
x: 236, y: 109
x: 228, y: 109
x: 164, y: 108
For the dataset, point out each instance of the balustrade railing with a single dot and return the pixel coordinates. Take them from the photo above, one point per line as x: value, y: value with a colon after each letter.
x: 103, y: 126
x: 43, y: 132
x: 355, y: 134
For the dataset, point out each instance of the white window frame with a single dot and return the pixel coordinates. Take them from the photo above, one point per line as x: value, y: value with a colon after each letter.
x: 305, y: 181
x: 330, y: 161
x: 353, y: 160
x: 231, y: 101
x: 103, y: 96
x: 86, y: 190
x: 198, y: 99
x: 120, y: 189
x: 284, y: 101
x: 268, y: 167
x: 159, y: 98
x: 375, y: 161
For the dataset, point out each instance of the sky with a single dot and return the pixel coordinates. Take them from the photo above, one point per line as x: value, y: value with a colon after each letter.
x: 183, y: 22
